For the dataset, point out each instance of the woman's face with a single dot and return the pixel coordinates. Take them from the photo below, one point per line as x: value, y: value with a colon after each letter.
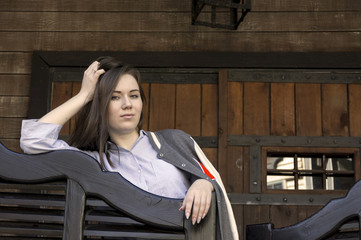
x: 125, y: 107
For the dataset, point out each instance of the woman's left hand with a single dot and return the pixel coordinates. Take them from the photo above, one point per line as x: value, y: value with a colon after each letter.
x: 198, y: 197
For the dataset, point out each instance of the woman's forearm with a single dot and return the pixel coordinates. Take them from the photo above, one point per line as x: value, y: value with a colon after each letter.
x: 67, y: 110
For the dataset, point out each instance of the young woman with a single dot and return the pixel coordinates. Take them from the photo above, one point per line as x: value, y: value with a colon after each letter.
x: 109, y: 116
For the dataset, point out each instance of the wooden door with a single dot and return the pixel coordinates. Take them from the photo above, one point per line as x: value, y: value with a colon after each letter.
x: 239, y: 112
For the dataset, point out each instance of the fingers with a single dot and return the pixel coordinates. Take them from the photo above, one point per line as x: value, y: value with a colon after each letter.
x: 187, y: 204
x: 204, y: 207
x: 93, y: 69
x: 99, y: 72
x: 207, y: 206
x: 197, y: 205
x: 90, y: 79
x: 201, y: 206
x: 197, y: 202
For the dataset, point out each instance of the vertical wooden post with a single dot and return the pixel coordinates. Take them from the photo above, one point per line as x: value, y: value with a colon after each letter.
x: 255, y: 168
x: 74, y: 211
x: 222, y: 123
x: 206, y: 229
x: 40, y: 104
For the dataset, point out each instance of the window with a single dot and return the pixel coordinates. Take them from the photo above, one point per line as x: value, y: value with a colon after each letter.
x: 311, y: 169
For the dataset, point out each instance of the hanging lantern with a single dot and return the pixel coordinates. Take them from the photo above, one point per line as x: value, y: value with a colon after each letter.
x: 226, y: 14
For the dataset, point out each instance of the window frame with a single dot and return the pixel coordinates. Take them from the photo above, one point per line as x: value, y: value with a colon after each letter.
x: 266, y: 150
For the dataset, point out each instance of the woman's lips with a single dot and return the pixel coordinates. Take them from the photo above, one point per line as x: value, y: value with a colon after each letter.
x: 127, y: 116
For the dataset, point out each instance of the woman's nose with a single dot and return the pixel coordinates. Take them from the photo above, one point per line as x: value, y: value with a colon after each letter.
x: 126, y: 103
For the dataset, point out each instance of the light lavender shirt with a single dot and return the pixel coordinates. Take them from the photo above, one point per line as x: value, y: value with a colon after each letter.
x: 140, y: 165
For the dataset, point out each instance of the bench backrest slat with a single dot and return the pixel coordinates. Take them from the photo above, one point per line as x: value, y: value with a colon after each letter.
x: 74, y: 211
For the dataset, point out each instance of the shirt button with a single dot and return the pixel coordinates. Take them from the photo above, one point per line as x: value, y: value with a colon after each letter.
x: 161, y: 154
x: 183, y: 164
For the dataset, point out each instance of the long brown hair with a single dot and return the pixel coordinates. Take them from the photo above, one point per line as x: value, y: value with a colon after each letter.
x: 91, y: 131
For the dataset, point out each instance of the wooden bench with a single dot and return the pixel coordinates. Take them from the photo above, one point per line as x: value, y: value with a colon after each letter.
x: 338, y: 219
x: 65, y: 195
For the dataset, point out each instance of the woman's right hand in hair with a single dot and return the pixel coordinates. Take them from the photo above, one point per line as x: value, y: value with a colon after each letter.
x: 90, y: 79
x: 67, y: 110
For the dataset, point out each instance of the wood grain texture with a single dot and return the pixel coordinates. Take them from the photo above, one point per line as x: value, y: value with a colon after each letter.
x: 179, y: 41
x: 209, y: 110
x: 13, y: 106
x: 145, y: 124
x: 308, y: 110
x: 175, y: 22
x: 15, y: 63
x: 209, y: 120
x: 246, y: 169
x: 222, y: 122
x: 188, y: 108
x: 162, y: 106
x: 62, y: 92
x: 256, y: 214
x: 14, y: 85
x: 89, y: 5
x: 169, y: 5
x: 283, y: 215
x: 256, y: 108
x: 354, y: 99
x: 238, y: 214
x: 10, y: 127
x: 309, y: 5
x: 335, y: 110
x: 74, y: 211
x: 282, y: 109
x: 306, y: 211
x: 12, y: 144
x: 235, y: 170
x: 235, y: 108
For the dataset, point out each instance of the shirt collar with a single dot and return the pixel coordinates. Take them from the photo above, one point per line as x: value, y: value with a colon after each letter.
x: 113, y: 146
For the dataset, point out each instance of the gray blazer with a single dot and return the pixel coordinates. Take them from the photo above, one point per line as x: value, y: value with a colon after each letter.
x: 178, y: 148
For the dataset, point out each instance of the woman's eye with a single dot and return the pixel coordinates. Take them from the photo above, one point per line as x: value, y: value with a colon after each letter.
x: 134, y: 96
x: 115, y: 98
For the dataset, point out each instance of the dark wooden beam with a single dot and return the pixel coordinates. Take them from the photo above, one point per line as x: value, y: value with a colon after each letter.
x: 338, y: 60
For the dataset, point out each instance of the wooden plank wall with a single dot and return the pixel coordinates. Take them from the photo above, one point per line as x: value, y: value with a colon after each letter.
x: 161, y: 25
x: 284, y: 109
